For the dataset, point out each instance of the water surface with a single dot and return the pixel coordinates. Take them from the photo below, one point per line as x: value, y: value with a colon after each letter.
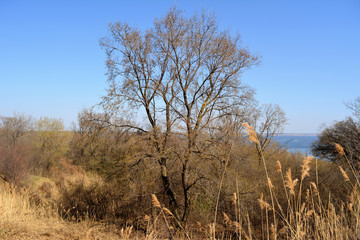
x: 297, y: 143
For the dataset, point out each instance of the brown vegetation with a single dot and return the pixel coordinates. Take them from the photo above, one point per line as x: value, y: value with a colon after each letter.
x: 287, y: 197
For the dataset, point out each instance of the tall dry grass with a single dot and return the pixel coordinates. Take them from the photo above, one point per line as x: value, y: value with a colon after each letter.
x: 305, y: 215
x: 21, y: 217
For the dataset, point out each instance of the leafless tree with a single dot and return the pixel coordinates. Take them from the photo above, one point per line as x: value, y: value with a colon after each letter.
x: 184, y: 74
x: 15, y: 154
x: 267, y: 120
x: 354, y: 106
x: 12, y: 128
x: 346, y: 133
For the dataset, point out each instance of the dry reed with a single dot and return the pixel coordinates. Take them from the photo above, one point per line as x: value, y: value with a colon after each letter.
x: 251, y: 133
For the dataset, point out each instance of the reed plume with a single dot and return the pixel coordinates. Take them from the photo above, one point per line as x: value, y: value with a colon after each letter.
x: 278, y: 166
x: 234, y: 199
x: 271, y: 186
x: 155, y: 201
x: 339, y: 149
x: 263, y: 204
x: 227, y: 219
x: 305, y: 168
x: 314, y: 187
x: 289, y: 182
x: 252, y: 137
x: 346, y: 177
x: 167, y: 211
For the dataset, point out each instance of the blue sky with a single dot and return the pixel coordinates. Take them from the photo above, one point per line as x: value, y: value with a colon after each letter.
x: 51, y: 63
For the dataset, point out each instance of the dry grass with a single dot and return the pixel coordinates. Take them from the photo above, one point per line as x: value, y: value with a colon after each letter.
x: 21, y: 219
x: 305, y: 215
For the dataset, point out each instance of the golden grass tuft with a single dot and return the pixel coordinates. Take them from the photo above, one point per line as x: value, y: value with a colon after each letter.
x: 252, y: 137
x: 22, y: 219
x: 234, y: 200
x: 167, y: 211
x: 263, y: 204
x: 346, y: 177
x: 125, y: 233
x: 278, y: 166
x: 272, y: 232
x: 339, y: 149
x: 227, y: 219
x: 271, y: 186
x: 305, y: 167
x: 314, y: 187
x: 155, y: 201
x: 289, y: 182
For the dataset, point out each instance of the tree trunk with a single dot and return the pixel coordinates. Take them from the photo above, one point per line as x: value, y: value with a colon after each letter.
x: 174, y: 206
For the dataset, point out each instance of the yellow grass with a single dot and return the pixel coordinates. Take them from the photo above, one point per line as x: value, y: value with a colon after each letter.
x: 20, y: 219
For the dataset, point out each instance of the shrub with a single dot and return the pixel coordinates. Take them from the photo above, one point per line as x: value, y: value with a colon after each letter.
x: 14, y: 162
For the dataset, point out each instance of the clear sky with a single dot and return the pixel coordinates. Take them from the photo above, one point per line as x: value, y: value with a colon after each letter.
x: 51, y: 63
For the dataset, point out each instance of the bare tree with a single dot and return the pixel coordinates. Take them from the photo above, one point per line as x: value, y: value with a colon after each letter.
x: 346, y: 133
x: 15, y: 152
x: 12, y: 128
x: 267, y: 120
x: 184, y: 73
x: 354, y: 106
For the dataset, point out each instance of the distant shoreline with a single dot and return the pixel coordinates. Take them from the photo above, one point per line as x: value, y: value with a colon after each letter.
x: 297, y: 134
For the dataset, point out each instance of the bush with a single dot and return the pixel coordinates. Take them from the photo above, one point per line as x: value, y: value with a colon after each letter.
x: 344, y: 133
x: 88, y: 196
x: 14, y: 162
